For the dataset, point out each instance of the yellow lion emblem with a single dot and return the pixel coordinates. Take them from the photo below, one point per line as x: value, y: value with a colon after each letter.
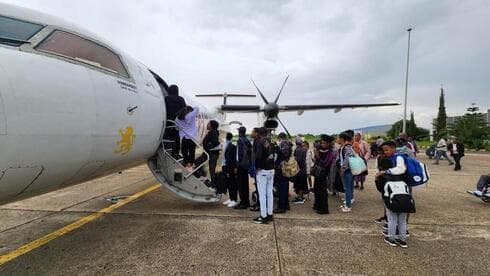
x: 127, y: 140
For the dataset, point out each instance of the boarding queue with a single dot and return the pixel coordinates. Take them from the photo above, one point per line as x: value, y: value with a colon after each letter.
x: 329, y: 167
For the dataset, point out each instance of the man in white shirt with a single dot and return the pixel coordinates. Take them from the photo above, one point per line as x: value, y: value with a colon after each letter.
x: 441, y: 150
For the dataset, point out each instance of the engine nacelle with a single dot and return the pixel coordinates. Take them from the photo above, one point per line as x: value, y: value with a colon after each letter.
x: 271, y: 124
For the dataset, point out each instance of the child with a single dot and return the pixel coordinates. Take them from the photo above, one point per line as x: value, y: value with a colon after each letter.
x: 382, y: 163
x: 396, y: 220
x: 309, y: 164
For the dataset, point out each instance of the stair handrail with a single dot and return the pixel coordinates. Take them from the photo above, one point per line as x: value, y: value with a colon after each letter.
x: 195, y: 142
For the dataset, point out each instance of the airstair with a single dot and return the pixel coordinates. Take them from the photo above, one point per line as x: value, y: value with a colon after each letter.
x: 188, y: 184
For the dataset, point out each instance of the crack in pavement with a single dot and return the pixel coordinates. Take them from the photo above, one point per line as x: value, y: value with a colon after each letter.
x: 53, y: 212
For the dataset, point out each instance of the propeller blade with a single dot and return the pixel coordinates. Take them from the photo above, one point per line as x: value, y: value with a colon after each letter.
x: 283, y: 126
x: 260, y: 93
x: 282, y: 87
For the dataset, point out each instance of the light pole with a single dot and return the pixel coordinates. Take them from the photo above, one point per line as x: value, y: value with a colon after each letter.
x: 406, y: 85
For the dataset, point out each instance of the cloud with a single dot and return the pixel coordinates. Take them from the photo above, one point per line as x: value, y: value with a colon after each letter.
x: 335, y: 52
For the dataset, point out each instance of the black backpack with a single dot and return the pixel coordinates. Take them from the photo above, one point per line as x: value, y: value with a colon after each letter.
x: 221, y: 182
x: 245, y: 162
x: 397, y: 198
x: 337, y: 184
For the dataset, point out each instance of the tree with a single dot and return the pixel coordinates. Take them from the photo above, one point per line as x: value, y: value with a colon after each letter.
x: 395, y: 129
x: 412, y: 129
x: 471, y: 128
x: 440, y: 124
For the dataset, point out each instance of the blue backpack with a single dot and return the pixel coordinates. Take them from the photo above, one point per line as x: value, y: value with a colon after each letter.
x: 417, y: 173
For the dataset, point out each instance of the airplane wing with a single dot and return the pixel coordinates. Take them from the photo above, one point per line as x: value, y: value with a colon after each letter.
x: 299, y: 108
x: 337, y: 107
x: 241, y: 108
x: 226, y: 95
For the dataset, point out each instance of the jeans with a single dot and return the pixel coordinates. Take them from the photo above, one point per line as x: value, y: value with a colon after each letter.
x: 348, y: 187
x: 483, y: 182
x: 442, y: 153
x: 397, y: 221
x: 265, y: 181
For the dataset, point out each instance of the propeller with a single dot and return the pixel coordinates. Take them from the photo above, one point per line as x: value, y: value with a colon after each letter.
x: 282, y: 87
x: 271, y: 109
x: 283, y: 126
x: 260, y: 93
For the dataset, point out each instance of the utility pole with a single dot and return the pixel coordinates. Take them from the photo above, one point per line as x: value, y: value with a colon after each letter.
x: 406, y: 85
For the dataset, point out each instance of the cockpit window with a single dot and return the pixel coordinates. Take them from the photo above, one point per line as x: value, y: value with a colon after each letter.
x: 83, y: 50
x: 16, y: 32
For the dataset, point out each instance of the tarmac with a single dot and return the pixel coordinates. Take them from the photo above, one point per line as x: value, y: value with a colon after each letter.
x: 158, y: 233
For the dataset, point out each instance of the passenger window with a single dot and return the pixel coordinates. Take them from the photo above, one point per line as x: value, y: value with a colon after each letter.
x: 83, y: 50
x: 16, y: 32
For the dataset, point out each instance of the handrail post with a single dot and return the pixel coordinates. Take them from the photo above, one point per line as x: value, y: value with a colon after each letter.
x: 196, y: 143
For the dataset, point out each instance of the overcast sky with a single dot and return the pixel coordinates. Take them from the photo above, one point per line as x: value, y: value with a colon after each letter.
x: 334, y: 51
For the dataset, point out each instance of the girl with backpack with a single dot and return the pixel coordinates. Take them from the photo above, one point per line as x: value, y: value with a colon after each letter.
x: 362, y: 148
x: 346, y: 151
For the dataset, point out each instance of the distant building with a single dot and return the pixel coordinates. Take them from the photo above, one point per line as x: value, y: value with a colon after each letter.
x: 452, y: 120
x: 374, y: 131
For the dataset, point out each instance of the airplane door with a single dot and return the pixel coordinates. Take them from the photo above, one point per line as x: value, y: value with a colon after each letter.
x: 116, y: 101
x: 130, y: 116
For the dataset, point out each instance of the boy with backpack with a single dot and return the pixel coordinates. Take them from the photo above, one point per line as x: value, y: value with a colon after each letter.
x: 244, y: 156
x: 264, y: 163
x: 397, y: 197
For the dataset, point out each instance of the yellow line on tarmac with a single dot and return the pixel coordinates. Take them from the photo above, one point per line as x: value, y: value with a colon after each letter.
x: 67, y: 229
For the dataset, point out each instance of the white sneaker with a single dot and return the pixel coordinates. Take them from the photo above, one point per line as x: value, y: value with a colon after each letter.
x: 232, y: 204
x: 346, y: 209
x: 227, y: 202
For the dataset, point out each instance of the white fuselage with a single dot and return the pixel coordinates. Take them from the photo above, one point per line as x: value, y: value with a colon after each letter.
x: 64, y: 120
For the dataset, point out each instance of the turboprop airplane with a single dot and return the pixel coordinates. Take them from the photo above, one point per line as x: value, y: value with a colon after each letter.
x: 73, y: 108
x: 270, y: 110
